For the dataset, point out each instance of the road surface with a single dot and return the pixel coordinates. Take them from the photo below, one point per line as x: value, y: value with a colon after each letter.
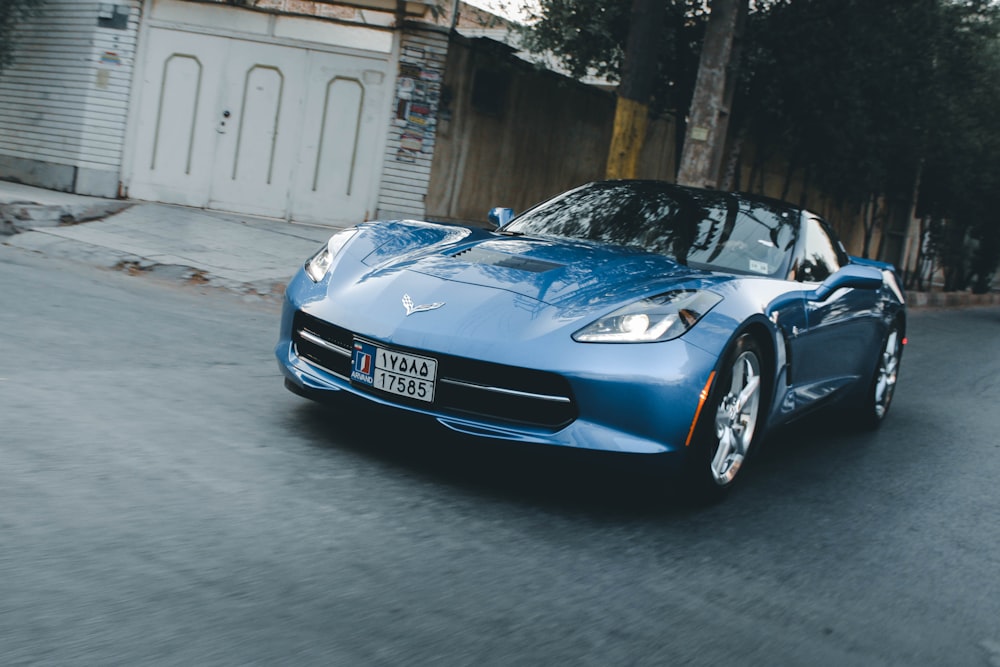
x: 165, y: 501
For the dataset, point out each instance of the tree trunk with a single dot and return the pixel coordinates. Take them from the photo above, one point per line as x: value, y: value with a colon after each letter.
x: 915, y: 277
x: 793, y: 163
x: 708, y: 119
x: 731, y: 176
x: 885, y: 227
x: 627, y: 137
x: 912, y: 221
x: 758, y: 169
x: 806, y: 179
x: 638, y: 73
x: 868, y: 219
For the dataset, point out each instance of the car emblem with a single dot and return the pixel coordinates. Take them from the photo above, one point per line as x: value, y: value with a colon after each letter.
x: 410, y: 308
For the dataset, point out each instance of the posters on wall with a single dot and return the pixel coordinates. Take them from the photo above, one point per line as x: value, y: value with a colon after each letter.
x: 418, y: 92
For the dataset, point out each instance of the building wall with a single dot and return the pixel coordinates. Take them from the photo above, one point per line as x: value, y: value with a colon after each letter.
x: 413, y: 122
x: 63, y: 103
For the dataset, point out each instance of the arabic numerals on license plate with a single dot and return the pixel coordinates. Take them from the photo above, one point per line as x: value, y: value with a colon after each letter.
x: 405, y: 364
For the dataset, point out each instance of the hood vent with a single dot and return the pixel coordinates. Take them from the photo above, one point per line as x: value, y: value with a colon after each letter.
x: 477, y: 255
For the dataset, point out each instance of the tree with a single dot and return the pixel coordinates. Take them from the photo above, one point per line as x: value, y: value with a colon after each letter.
x: 885, y: 108
x: 13, y: 12
x: 835, y: 89
x: 653, y: 52
x: 590, y: 37
x: 709, y: 113
x: 961, y: 191
x: 636, y: 89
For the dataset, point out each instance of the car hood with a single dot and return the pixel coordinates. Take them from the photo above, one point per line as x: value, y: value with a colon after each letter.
x: 476, y: 291
x: 557, y: 272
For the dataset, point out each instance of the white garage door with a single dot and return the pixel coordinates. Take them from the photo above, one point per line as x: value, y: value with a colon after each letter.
x: 257, y: 128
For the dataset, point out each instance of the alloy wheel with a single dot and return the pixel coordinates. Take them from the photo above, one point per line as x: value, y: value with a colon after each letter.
x: 888, y: 368
x: 736, y: 418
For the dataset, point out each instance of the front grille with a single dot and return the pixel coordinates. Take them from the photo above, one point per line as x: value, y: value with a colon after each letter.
x: 333, y: 353
x: 464, y: 386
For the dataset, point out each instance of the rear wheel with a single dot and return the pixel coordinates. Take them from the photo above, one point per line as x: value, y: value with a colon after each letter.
x: 883, y: 383
x: 729, y: 422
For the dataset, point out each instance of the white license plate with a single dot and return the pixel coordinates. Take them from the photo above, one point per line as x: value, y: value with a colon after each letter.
x: 394, y: 372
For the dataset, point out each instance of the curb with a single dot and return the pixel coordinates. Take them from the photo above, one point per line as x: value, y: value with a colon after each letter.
x: 22, y: 216
x: 118, y: 260
x: 950, y: 299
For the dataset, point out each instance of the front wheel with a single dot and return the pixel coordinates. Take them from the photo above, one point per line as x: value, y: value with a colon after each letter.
x: 729, y: 422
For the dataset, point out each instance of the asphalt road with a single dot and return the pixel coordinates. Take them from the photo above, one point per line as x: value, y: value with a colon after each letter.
x: 164, y: 500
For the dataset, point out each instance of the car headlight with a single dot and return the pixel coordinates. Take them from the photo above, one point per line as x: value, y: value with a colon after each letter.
x: 319, y: 264
x: 657, y: 318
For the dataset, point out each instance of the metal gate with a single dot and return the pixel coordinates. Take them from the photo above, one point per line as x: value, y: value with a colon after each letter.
x: 258, y: 128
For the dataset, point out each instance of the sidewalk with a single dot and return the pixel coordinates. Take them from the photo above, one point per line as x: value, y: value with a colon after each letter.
x: 250, y: 255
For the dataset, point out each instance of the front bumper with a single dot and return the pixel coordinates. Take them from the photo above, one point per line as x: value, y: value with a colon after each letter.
x: 638, y: 399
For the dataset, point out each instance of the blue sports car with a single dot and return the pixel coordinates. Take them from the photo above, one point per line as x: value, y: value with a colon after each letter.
x: 623, y: 316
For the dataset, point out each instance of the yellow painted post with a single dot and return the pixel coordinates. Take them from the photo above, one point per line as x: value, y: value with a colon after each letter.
x: 631, y: 119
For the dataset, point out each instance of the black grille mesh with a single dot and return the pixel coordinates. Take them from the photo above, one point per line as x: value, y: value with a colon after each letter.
x: 452, y: 398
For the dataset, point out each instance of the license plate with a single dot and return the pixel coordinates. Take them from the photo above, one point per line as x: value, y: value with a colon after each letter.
x: 394, y: 372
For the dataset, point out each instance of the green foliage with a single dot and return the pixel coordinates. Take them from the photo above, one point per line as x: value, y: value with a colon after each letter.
x: 962, y: 178
x: 11, y: 13
x: 867, y: 98
x: 832, y: 85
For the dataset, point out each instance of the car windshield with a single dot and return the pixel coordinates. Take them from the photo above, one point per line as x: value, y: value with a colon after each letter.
x: 699, y: 228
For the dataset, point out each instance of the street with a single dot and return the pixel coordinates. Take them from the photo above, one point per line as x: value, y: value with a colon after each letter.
x: 165, y: 501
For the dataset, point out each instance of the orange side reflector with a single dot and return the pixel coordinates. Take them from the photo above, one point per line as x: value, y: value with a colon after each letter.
x: 702, y: 397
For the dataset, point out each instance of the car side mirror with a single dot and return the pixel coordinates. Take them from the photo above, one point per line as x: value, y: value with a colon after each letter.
x: 500, y: 216
x: 855, y: 276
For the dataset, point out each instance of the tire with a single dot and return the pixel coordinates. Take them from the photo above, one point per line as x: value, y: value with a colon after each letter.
x: 878, y: 395
x: 730, y: 423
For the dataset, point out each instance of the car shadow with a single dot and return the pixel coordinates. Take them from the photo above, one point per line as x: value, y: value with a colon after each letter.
x: 557, y: 478
x: 599, y: 485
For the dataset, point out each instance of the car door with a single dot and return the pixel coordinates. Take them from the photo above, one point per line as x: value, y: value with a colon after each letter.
x: 833, y: 350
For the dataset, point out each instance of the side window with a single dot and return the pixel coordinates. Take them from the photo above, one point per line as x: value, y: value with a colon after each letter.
x: 819, y: 255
